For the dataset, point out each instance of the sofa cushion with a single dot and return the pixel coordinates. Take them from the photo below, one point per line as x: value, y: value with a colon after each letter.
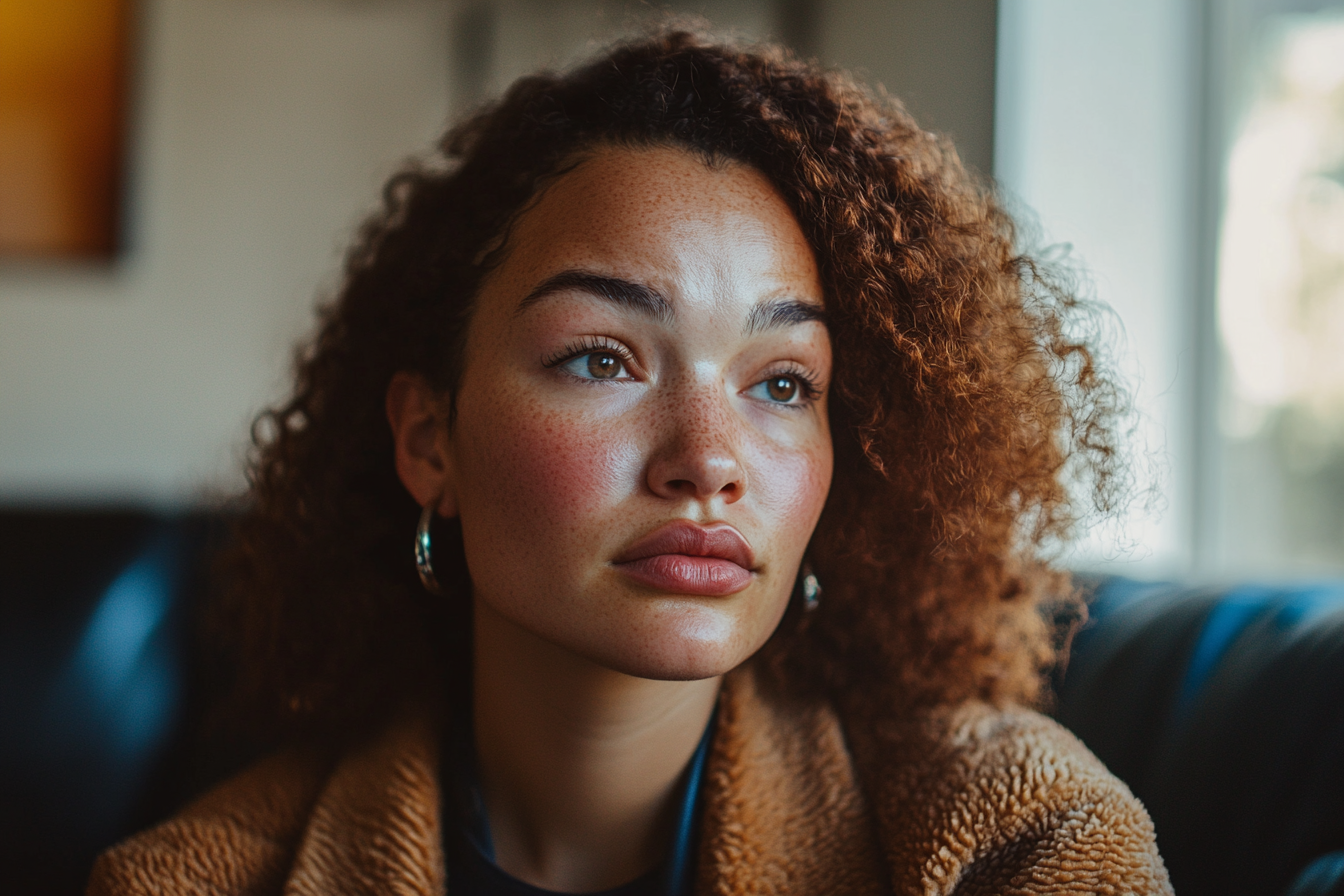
x: 1224, y: 711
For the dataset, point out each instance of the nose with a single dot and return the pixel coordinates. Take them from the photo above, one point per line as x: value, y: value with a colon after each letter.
x: 698, y: 454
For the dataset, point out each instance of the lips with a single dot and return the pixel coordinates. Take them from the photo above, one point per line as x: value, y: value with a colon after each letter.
x: 684, y: 558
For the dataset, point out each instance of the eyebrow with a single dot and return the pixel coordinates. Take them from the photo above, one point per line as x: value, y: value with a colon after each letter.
x: 635, y: 296
x: 783, y: 313
x: 647, y: 300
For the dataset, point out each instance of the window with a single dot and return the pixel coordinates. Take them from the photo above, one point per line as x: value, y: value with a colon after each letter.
x: 1280, y: 301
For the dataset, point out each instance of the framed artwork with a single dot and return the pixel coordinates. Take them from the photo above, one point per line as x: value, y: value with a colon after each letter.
x: 63, y: 74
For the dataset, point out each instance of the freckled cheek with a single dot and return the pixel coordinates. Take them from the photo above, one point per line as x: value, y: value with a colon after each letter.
x: 791, y: 487
x: 546, y: 469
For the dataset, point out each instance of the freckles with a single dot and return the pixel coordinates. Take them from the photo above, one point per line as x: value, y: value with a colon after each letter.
x: 558, y: 470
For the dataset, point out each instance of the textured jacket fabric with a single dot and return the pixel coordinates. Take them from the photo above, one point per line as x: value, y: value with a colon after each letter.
x: 797, y: 800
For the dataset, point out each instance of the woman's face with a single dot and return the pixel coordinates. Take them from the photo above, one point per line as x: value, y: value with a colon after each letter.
x: 641, y: 450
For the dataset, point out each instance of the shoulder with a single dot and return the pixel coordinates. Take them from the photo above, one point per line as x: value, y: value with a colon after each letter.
x: 238, y: 838
x: 306, y: 821
x: 1003, y: 798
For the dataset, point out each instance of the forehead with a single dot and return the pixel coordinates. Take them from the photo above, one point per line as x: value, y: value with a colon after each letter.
x: 666, y: 217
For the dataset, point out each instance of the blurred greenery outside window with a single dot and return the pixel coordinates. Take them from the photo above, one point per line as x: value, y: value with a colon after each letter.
x: 1280, y: 303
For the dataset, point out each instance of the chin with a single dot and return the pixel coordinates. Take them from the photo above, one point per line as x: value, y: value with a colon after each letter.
x: 684, y: 643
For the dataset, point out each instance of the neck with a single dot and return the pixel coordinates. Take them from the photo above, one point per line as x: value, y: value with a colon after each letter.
x: 580, y: 766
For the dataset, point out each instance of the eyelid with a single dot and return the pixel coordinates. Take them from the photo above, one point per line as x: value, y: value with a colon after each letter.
x: 586, y: 346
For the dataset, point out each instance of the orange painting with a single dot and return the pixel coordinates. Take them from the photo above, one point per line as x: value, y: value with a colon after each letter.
x: 62, y: 110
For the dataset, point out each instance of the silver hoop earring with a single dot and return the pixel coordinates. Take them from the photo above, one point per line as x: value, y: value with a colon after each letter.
x: 423, y: 564
x: 809, y: 587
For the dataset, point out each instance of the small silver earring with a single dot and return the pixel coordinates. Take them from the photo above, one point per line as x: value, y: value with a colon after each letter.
x: 423, y: 564
x: 809, y: 587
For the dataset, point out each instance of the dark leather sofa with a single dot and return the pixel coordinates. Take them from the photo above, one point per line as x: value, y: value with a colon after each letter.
x: 1222, y: 708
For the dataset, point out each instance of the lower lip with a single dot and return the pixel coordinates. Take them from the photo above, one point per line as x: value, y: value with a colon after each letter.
x: 682, y: 574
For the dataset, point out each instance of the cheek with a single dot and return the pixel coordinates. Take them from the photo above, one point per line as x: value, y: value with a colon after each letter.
x: 791, y: 486
x: 541, y: 472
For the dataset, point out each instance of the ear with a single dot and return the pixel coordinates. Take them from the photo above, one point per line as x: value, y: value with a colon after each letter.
x: 423, y: 446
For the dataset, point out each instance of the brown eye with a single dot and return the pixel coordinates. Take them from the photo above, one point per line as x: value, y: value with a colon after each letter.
x: 603, y: 365
x: 781, y: 388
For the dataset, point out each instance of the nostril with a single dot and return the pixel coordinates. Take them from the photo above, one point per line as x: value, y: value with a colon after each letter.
x: 682, y: 486
x: 699, y: 478
x: 689, y: 487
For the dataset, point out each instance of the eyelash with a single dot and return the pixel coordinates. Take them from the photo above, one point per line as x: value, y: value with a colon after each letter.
x: 807, y: 381
x: 587, y: 346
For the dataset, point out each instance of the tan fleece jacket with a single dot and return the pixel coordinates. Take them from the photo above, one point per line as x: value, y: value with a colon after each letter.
x: 966, y: 800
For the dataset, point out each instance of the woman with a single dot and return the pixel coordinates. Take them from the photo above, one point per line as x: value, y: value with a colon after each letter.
x: 733, y: 423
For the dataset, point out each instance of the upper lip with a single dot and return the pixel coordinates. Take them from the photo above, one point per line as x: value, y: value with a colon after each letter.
x: 685, y: 537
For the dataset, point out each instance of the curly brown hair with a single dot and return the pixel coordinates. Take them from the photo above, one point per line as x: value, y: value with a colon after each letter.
x: 964, y: 403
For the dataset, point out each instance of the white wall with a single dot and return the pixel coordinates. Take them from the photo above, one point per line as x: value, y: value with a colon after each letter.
x: 263, y: 128
x: 1095, y: 120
